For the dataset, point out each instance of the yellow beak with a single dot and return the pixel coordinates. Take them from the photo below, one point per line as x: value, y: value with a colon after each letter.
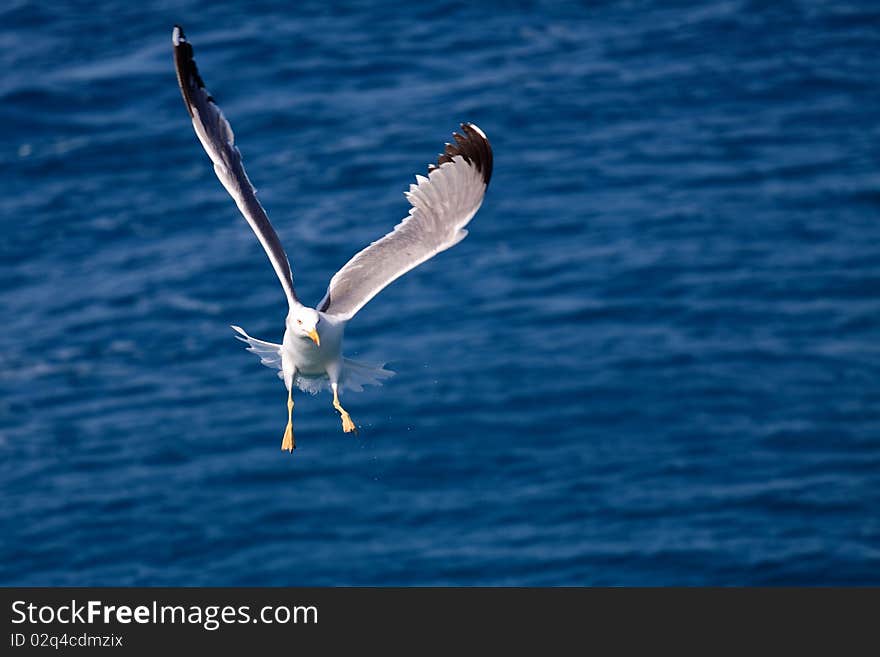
x: 313, y: 334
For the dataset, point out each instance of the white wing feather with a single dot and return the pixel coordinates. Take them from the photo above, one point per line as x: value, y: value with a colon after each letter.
x: 443, y: 203
x: 216, y: 135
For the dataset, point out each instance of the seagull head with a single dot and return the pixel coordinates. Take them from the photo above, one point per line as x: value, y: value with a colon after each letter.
x: 304, y: 323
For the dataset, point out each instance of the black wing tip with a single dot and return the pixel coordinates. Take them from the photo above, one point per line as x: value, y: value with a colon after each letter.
x: 187, y: 72
x: 473, y: 146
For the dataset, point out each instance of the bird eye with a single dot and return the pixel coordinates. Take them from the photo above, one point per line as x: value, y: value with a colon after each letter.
x: 299, y: 321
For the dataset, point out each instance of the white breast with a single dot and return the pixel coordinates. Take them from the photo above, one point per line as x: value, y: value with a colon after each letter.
x: 305, y: 356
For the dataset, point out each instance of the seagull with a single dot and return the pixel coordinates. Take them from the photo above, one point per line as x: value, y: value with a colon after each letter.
x: 310, y: 355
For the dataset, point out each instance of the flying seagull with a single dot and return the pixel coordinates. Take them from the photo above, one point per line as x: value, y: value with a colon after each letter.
x: 443, y: 202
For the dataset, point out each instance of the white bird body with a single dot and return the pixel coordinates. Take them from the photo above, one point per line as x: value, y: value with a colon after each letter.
x: 300, y: 354
x: 443, y: 202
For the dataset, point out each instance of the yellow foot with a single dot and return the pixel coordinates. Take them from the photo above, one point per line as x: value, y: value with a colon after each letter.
x: 288, y: 442
x: 347, y: 424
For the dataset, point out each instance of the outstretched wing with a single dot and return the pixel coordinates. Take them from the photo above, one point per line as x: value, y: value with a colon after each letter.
x: 442, y: 205
x: 215, y: 133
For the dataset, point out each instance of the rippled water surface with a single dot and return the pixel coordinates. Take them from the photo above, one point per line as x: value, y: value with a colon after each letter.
x: 655, y: 359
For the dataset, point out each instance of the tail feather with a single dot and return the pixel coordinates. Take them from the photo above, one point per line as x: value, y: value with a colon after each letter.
x: 269, y: 352
x: 356, y: 375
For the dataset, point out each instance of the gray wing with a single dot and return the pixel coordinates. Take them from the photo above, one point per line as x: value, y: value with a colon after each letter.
x: 215, y: 133
x: 442, y: 205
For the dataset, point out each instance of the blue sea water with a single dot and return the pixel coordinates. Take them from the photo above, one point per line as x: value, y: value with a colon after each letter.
x: 655, y: 360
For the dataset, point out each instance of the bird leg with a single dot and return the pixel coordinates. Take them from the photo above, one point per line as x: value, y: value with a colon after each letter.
x: 288, y: 442
x: 347, y: 424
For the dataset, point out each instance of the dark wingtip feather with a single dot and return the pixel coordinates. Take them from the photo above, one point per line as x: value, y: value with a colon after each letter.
x: 473, y: 146
x: 188, y: 77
